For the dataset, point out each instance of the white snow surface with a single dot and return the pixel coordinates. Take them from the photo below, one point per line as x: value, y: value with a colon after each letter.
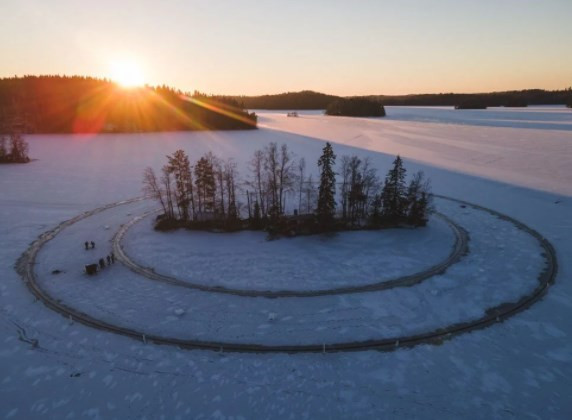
x: 502, y: 267
x: 514, y: 161
x: 247, y: 260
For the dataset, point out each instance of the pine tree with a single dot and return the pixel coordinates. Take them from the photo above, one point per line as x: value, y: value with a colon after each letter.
x: 327, y: 190
x: 419, y: 200
x: 180, y: 168
x: 205, y: 183
x: 394, y: 194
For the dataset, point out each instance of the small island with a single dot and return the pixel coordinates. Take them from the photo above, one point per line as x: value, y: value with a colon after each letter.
x: 356, y: 107
x: 281, y: 199
x: 13, y: 148
x: 471, y: 104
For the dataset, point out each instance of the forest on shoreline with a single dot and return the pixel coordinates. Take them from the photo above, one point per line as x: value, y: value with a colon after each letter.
x: 76, y: 104
x: 315, y: 100
x: 61, y: 104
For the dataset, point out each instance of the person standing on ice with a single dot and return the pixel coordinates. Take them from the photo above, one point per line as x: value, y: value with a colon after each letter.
x: 92, y: 244
x: 86, y: 245
x: 108, y: 260
x: 112, y: 257
x: 101, y: 263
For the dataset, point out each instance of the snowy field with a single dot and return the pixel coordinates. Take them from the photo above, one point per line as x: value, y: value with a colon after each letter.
x: 513, y: 161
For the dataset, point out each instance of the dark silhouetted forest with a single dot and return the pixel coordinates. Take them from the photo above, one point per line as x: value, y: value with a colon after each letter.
x: 60, y: 104
x: 305, y: 99
x: 509, y: 98
x: 315, y: 100
x: 356, y: 107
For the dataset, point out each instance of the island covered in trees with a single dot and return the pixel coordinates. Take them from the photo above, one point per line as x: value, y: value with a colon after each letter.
x: 280, y: 198
x: 471, y: 104
x: 60, y: 104
x: 13, y: 148
x: 356, y: 107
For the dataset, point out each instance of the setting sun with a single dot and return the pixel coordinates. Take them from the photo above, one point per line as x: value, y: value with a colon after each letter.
x: 127, y: 73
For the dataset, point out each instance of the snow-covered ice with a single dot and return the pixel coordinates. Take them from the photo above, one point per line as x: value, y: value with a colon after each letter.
x: 247, y: 260
x: 516, y: 369
x: 502, y: 266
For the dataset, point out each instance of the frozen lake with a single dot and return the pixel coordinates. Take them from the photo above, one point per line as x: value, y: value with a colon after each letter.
x: 542, y: 117
x: 516, y: 161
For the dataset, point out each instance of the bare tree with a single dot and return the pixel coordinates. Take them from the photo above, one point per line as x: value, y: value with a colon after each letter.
x: 311, y: 195
x: 257, y: 168
x: 370, y: 186
x: 359, y: 185
x: 285, y: 176
x: 167, y: 182
x: 345, y: 163
x: 230, y: 175
x: 301, y: 179
x: 271, y: 165
x: 219, y: 174
x: 152, y: 189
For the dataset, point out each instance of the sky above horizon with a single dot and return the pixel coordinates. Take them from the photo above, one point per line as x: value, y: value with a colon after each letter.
x: 262, y: 47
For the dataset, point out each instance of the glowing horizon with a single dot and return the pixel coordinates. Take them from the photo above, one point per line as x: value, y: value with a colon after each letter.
x: 248, y: 48
x: 127, y: 73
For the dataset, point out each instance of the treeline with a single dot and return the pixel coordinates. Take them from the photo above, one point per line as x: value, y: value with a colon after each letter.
x: 305, y: 99
x: 61, y: 104
x: 356, y: 107
x: 315, y: 100
x: 279, y: 196
x: 515, y: 98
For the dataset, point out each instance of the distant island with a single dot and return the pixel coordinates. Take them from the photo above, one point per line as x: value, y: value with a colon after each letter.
x: 61, y: 104
x: 471, y: 104
x: 356, y: 107
x: 308, y: 99
x: 13, y: 148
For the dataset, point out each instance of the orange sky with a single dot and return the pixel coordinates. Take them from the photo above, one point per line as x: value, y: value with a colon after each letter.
x: 338, y: 47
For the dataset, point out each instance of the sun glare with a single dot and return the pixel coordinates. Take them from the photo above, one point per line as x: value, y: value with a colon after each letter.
x: 127, y: 73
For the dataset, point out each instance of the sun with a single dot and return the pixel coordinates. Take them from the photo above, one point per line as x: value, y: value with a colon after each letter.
x: 127, y: 73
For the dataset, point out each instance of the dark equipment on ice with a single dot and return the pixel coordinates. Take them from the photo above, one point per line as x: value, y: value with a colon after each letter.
x: 91, y: 269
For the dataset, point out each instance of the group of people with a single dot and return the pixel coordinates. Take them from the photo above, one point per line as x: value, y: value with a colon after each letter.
x: 110, y: 260
x: 91, y: 268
